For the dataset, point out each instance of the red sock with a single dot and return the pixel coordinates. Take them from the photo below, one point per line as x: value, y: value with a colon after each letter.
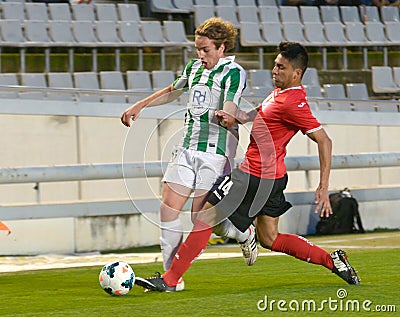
x: 194, y: 245
x: 302, y: 249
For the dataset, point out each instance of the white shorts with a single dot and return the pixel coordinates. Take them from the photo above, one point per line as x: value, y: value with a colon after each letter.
x: 195, y: 169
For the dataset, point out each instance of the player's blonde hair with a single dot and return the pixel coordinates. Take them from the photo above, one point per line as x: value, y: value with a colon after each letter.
x: 219, y: 31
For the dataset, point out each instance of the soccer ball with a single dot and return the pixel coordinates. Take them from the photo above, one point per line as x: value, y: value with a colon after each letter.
x: 117, y: 278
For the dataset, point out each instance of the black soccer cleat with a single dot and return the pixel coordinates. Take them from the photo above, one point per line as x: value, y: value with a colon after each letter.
x: 155, y: 283
x: 342, y: 267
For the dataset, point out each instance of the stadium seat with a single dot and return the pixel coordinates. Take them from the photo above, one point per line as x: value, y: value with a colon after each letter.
x: 33, y: 80
x: 11, y: 32
x: 8, y: 79
x: 330, y: 14
x: 174, y: 32
x: 36, y: 11
x: 289, y: 14
x: 334, y: 32
x: 36, y: 32
x: 349, y: 14
x: 60, y: 80
x: 129, y: 33
x: 60, y: 33
x: 315, y: 92
x: 314, y: 33
x: 227, y: 13
x: 13, y: 11
x: 112, y: 80
x: 203, y: 2
x: 311, y: 79
x: 260, y: 81
x: 267, y: 3
x: 128, y: 12
x: 162, y: 78
x: 246, y: 3
x: 184, y: 4
x: 166, y: 6
x: 396, y: 75
x: 375, y: 33
x: 89, y: 81
x: 355, y: 33
x: 336, y: 91
x: 140, y: 82
x: 250, y: 34
x: 359, y: 91
x: 152, y: 33
x: 269, y: 14
x: 83, y: 12
x: 106, y: 12
x: 293, y: 32
x: 83, y: 32
x: 390, y: 14
x: 310, y: 14
x: 225, y: 2
x: 202, y: 13
x: 383, y: 81
x: 393, y: 32
x: 369, y: 14
x: 247, y: 13
x: 272, y: 32
x: 106, y: 32
x: 59, y: 12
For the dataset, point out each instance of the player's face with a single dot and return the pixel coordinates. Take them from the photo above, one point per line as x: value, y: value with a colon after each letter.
x: 207, y: 52
x: 284, y: 75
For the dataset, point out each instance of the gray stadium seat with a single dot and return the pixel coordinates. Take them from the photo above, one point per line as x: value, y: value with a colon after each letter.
x: 334, y: 32
x: 293, y: 32
x: 8, y: 79
x: 267, y: 3
x: 375, y: 33
x: 227, y: 13
x: 90, y: 81
x: 310, y: 14
x: 246, y: 3
x: 162, y: 78
x: 250, y: 34
x: 152, y: 32
x: 184, y: 4
x: 390, y: 14
x: 336, y: 91
x: 106, y: 32
x: 33, y: 80
x: 129, y: 33
x: 138, y: 80
x: 202, y: 13
x: 106, y: 12
x: 330, y: 14
x: 247, y: 13
x: 11, y: 32
x: 128, y: 12
x: 112, y: 80
x: 13, y: 11
x: 315, y: 92
x: 369, y: 14
x: 83, y: 32
x: 383, y: 81
x: 393, y: 32
x: 269, y: 14
x: 60, y: 33
x: 311, y: 79
x: 36, y: 31
x: 166, y: 6
x: 396, y: 76
x: 83, y: 12
x: 225, y: 2
x: 272, y: 32
x: 359, y: 91
x: 36, y: 11
x: 355, y: 33
x: 260, y: 81
x: 314, y: 33
x: 349, y: 14
x: 60, y: 80
x: 203, y: 2
x: 174, y: 32
x: 289, y: 14
x: 59, y: 12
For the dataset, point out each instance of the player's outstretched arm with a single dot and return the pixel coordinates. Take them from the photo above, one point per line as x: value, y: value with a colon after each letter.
x: 160, y: 97
x: 325, y: 161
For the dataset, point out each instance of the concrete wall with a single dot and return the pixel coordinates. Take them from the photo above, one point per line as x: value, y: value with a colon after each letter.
x: 58, y: 140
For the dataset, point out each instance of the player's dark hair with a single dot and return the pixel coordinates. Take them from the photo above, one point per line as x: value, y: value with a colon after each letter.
x: 295, y: 53
x: 219, y: 31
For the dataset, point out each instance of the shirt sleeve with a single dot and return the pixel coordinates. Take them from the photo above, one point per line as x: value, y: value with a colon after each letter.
x: 182, y: 82
x: 234, y: 84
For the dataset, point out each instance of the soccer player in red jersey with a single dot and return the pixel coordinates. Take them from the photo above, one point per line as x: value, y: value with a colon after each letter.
x: 253, y: 192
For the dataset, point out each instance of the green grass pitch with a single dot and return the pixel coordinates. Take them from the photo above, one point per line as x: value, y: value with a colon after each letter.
x: 222, y: 287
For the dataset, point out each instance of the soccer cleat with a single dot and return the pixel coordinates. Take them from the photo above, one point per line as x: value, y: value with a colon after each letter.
x: 249, y: 247
x: 342, y: 267
x: 156, y: 283
x: 181, y: 285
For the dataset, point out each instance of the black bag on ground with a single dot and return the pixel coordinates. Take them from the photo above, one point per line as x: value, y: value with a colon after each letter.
x: 345, y: 217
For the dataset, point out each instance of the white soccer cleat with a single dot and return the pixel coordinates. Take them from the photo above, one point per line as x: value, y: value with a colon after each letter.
x: 181, y: 285
x: 249, y: 247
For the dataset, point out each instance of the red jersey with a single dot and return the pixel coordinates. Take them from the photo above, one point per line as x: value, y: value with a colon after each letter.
x: 280, y: 116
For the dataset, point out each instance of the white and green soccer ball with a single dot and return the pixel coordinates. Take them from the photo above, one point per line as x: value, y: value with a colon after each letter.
x: 117, y: 278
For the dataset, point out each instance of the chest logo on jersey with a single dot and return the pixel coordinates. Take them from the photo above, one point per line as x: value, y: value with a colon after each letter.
x: 200, y: 100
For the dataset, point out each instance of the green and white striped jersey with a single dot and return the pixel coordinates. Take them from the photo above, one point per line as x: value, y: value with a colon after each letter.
x: 208, y: 90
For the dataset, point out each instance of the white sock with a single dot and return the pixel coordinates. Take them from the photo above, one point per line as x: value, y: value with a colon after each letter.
x: 227, y: 229
x: 170, y: 240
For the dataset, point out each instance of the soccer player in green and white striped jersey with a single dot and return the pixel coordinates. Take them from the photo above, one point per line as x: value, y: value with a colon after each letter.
x: 215, y: 82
